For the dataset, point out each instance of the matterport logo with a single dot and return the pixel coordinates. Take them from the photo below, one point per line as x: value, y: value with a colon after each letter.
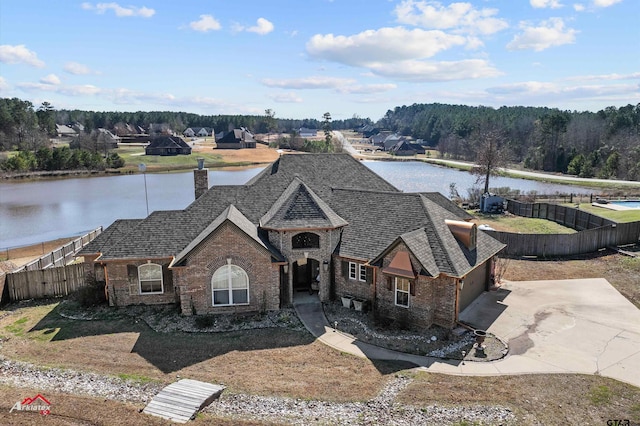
x: 37, y: 403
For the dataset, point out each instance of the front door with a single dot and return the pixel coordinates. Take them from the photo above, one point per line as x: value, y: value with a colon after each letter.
x: 306, y: 272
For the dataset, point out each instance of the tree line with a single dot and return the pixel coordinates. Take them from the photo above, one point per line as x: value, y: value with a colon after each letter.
x: 29, y: 130
x: 603, y: 144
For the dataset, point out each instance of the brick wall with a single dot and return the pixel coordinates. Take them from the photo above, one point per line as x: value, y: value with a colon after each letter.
x: 345, y: 286
x: 329, y: 239
x: 122, y: 284
x: 228, y: 242
x: 432, y: 300
x: 445, y: 302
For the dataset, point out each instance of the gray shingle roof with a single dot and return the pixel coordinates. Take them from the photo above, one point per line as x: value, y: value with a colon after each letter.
x: 319, y: 190
x: 300, y: 208
x: 109, y: 236
x: 232, y: 215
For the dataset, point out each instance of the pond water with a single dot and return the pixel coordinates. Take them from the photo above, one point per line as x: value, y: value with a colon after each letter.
x: 35, y: 211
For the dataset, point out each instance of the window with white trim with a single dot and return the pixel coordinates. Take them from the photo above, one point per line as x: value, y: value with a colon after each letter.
x: 357, y: 271
x: 230, y: 286
x: 403, y: 288
x: 150, y: 279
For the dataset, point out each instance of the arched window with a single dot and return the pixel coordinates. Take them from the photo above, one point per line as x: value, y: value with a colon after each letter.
x: 150, y: 278
x: 305, y: 240
x: 230, y: 286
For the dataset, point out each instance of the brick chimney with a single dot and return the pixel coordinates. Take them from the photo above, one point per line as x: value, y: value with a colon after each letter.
x: 201, y: 178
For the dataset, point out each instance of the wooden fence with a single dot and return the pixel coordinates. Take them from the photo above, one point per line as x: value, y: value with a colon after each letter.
x: 63, y: 255
x: 51, y: 282
x: 594, y: 232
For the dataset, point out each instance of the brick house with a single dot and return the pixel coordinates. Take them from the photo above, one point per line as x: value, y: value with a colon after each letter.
x: 318, y: 222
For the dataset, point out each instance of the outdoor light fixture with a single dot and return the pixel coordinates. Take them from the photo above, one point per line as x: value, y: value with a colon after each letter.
x: 325, y: 265
x: 285, y: 268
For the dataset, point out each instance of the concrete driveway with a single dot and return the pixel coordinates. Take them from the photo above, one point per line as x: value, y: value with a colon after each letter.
x: 565, y: 326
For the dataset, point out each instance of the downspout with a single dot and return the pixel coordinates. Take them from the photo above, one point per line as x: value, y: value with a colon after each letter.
x: 106, y: 283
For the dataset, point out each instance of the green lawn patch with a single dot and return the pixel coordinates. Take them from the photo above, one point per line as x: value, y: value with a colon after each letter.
x: 620, y: 216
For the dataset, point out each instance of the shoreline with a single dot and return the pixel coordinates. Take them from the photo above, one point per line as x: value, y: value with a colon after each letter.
x: 515, y: 173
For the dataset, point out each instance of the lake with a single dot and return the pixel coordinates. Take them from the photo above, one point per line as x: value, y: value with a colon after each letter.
x: 42, y: 210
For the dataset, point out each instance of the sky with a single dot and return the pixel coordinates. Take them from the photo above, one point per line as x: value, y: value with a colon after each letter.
x: 302, y: 58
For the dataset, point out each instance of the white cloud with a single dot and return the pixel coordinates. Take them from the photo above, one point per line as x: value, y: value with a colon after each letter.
x: 605, y: 3
x: 578, y: 7
x: 50, y: 79
x: 19, y: 54
x: 543, y: 4
x: 383, y: 45
x: 205, y: 24
x: 120, y: 11
x: 463, y: 17
x: 606, y: 77
x: 3, y: 84
x: 549, y: 33
x: 548, y: 93
x: 81, y: 90
x: 366, y: 89
x: 262, y: 27
x: 286, y: 98
x: 76, y: 68
x: 308, y: 83
x: 426, y: 71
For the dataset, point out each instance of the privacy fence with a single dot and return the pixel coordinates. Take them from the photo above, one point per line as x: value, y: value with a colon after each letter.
x: 51, y: 282
x: 594, y: 232
x: 47, y: 276
x: 62, y: 255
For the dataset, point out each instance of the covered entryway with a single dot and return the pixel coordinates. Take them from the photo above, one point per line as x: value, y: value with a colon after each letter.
x: 306, y: 274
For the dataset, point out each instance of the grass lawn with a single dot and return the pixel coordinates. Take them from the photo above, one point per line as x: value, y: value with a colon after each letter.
x: 272, y: 362
x: 524, y: 225
x: 541, y: 399
x: 615, y: 215
x: 133, y: 156
x: 298, y: 366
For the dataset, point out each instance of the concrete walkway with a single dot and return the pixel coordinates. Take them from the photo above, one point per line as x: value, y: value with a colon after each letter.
x: 567, y: 326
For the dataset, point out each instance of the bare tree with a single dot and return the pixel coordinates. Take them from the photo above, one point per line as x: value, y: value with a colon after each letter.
x: 492, y: 154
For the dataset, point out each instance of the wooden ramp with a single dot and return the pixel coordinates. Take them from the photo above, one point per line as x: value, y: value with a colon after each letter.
x: 180, y: 401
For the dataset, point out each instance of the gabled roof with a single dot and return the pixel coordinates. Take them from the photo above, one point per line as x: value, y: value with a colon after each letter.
x: 233, y: 215
x: 237, y: 136
x: 300, y: 208
x: 318, y: 190
x: 378, y: 221
x: 168, y: 142
x: 112, y: 234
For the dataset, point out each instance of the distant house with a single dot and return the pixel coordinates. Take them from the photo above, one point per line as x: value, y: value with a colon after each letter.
x: 236, y: 139
x: 160, y: 129
x: 167, y: 145
x: 65, y: 131
x: 368, y: 130
x: 406, y: 148
x: 105, y: 137
x: 391, y: 140
x: 305, y: 132
x: 312, y: 222
x: 189, y: 133
x: 203, y: 132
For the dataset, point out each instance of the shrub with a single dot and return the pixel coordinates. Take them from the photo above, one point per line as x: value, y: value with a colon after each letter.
x: 92, y: 294
x: 204, y: 321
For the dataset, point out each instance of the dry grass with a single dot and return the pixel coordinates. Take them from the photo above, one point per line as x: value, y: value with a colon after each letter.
x: 621, y: 271
x: 21, y: 255
x: 542, y: 399
x: 82, y: 410
x: 268, y: 361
